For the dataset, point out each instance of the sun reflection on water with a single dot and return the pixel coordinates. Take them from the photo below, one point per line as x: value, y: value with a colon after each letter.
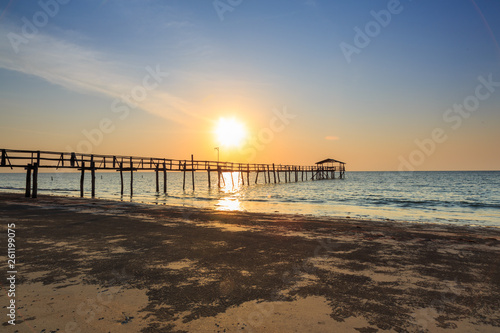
x: 231, y: 183
x: 229, y: 204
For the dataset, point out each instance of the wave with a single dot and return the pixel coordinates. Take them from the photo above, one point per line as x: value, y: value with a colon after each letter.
x: 429, y: 203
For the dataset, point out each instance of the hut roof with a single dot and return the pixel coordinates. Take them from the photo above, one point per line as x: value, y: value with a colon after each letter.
x: 329, y: 160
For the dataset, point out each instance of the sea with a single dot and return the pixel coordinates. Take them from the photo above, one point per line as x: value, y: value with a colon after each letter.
x: 456, y: 197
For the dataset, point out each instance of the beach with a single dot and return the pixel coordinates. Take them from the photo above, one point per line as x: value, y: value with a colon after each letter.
x: 85, y: 265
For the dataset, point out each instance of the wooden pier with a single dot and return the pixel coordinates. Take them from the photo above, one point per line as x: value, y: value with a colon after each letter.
x: 32, y: 161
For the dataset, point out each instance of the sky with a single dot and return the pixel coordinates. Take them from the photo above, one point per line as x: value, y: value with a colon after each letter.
x: 381, y: 85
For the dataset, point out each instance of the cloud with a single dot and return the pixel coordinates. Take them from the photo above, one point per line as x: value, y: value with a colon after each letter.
x: 331, y: 137
x: 87, y: 71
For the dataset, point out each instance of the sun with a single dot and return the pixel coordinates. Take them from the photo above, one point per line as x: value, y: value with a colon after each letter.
x: 230, y: 132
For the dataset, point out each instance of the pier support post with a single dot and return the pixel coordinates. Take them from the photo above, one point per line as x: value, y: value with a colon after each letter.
x: 28, y: 181
x: 248, y: 174
x: 34, y: 193
x: 184, y: 178
x: 92, y: 177
x: 131, y: 177
x: 274, y: 173
x: 82, y: 178
x: 208, y: 174
x: 121, y: 178
x: 157, y: 179
x: 256, y: 175
x: 218, y: 175
x: 164, y: 178
x: 192, y: 170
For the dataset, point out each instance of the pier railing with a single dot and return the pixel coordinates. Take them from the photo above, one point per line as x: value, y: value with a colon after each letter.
x: 33, y: 160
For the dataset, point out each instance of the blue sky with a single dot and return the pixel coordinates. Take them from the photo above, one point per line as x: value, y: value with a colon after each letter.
x: 263, y: 56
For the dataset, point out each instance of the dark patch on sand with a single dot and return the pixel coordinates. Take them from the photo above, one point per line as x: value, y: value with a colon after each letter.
x: 137, y: 247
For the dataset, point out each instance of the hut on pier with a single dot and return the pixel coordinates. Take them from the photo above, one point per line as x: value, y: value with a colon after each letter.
x: 327, y: 167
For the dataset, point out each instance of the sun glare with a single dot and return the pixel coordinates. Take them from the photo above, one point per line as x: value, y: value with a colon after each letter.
x: 230, y: 132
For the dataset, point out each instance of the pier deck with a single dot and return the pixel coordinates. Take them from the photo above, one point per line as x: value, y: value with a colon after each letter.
x: 33, y: 160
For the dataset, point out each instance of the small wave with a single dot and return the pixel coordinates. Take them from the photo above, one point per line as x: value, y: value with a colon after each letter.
x: 11, y: 188
x: 63, y: 190
x: 257, y: 200
x: 430, y: 204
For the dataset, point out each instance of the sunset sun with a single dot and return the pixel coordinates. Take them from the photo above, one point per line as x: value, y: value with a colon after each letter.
x: 230, y: 132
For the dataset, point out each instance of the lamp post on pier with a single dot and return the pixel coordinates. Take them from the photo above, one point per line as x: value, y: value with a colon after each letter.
x: 217, y: 148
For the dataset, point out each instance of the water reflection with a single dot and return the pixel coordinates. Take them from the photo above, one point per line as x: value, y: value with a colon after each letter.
x: 229, y: 204
x: 231, y: 183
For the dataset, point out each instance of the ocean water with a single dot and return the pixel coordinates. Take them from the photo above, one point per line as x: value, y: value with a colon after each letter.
x: 465, y: 198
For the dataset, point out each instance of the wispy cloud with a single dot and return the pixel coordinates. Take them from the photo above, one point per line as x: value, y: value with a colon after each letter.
x: 87, y: 71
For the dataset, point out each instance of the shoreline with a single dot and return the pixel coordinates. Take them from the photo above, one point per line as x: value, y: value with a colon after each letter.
x: 160, y: 268
x: 308, y: 215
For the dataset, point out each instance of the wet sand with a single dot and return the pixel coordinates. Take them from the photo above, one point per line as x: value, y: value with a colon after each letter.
x: 103, y: 266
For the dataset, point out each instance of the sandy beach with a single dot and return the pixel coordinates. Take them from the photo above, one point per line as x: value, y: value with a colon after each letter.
x: 107, y: 266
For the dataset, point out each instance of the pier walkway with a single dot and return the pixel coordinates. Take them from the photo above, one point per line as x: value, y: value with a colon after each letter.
x: 34, y: 160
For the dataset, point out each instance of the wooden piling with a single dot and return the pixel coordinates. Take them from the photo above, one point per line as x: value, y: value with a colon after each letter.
x: 34, y: 192
x: 274, y: 173
x: 218, y: 175
x: 82, y: 178
x: 184, y: 178
x: 157, y: 179
x: 121, y: 178
x: 92, y: 178
x: 131, y: 177
x: 248, y: 174
x: 256, y: 175
x: 164, y: 178
x: 208, y: 173
x: 28, y: 181
x: 192, y: 170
